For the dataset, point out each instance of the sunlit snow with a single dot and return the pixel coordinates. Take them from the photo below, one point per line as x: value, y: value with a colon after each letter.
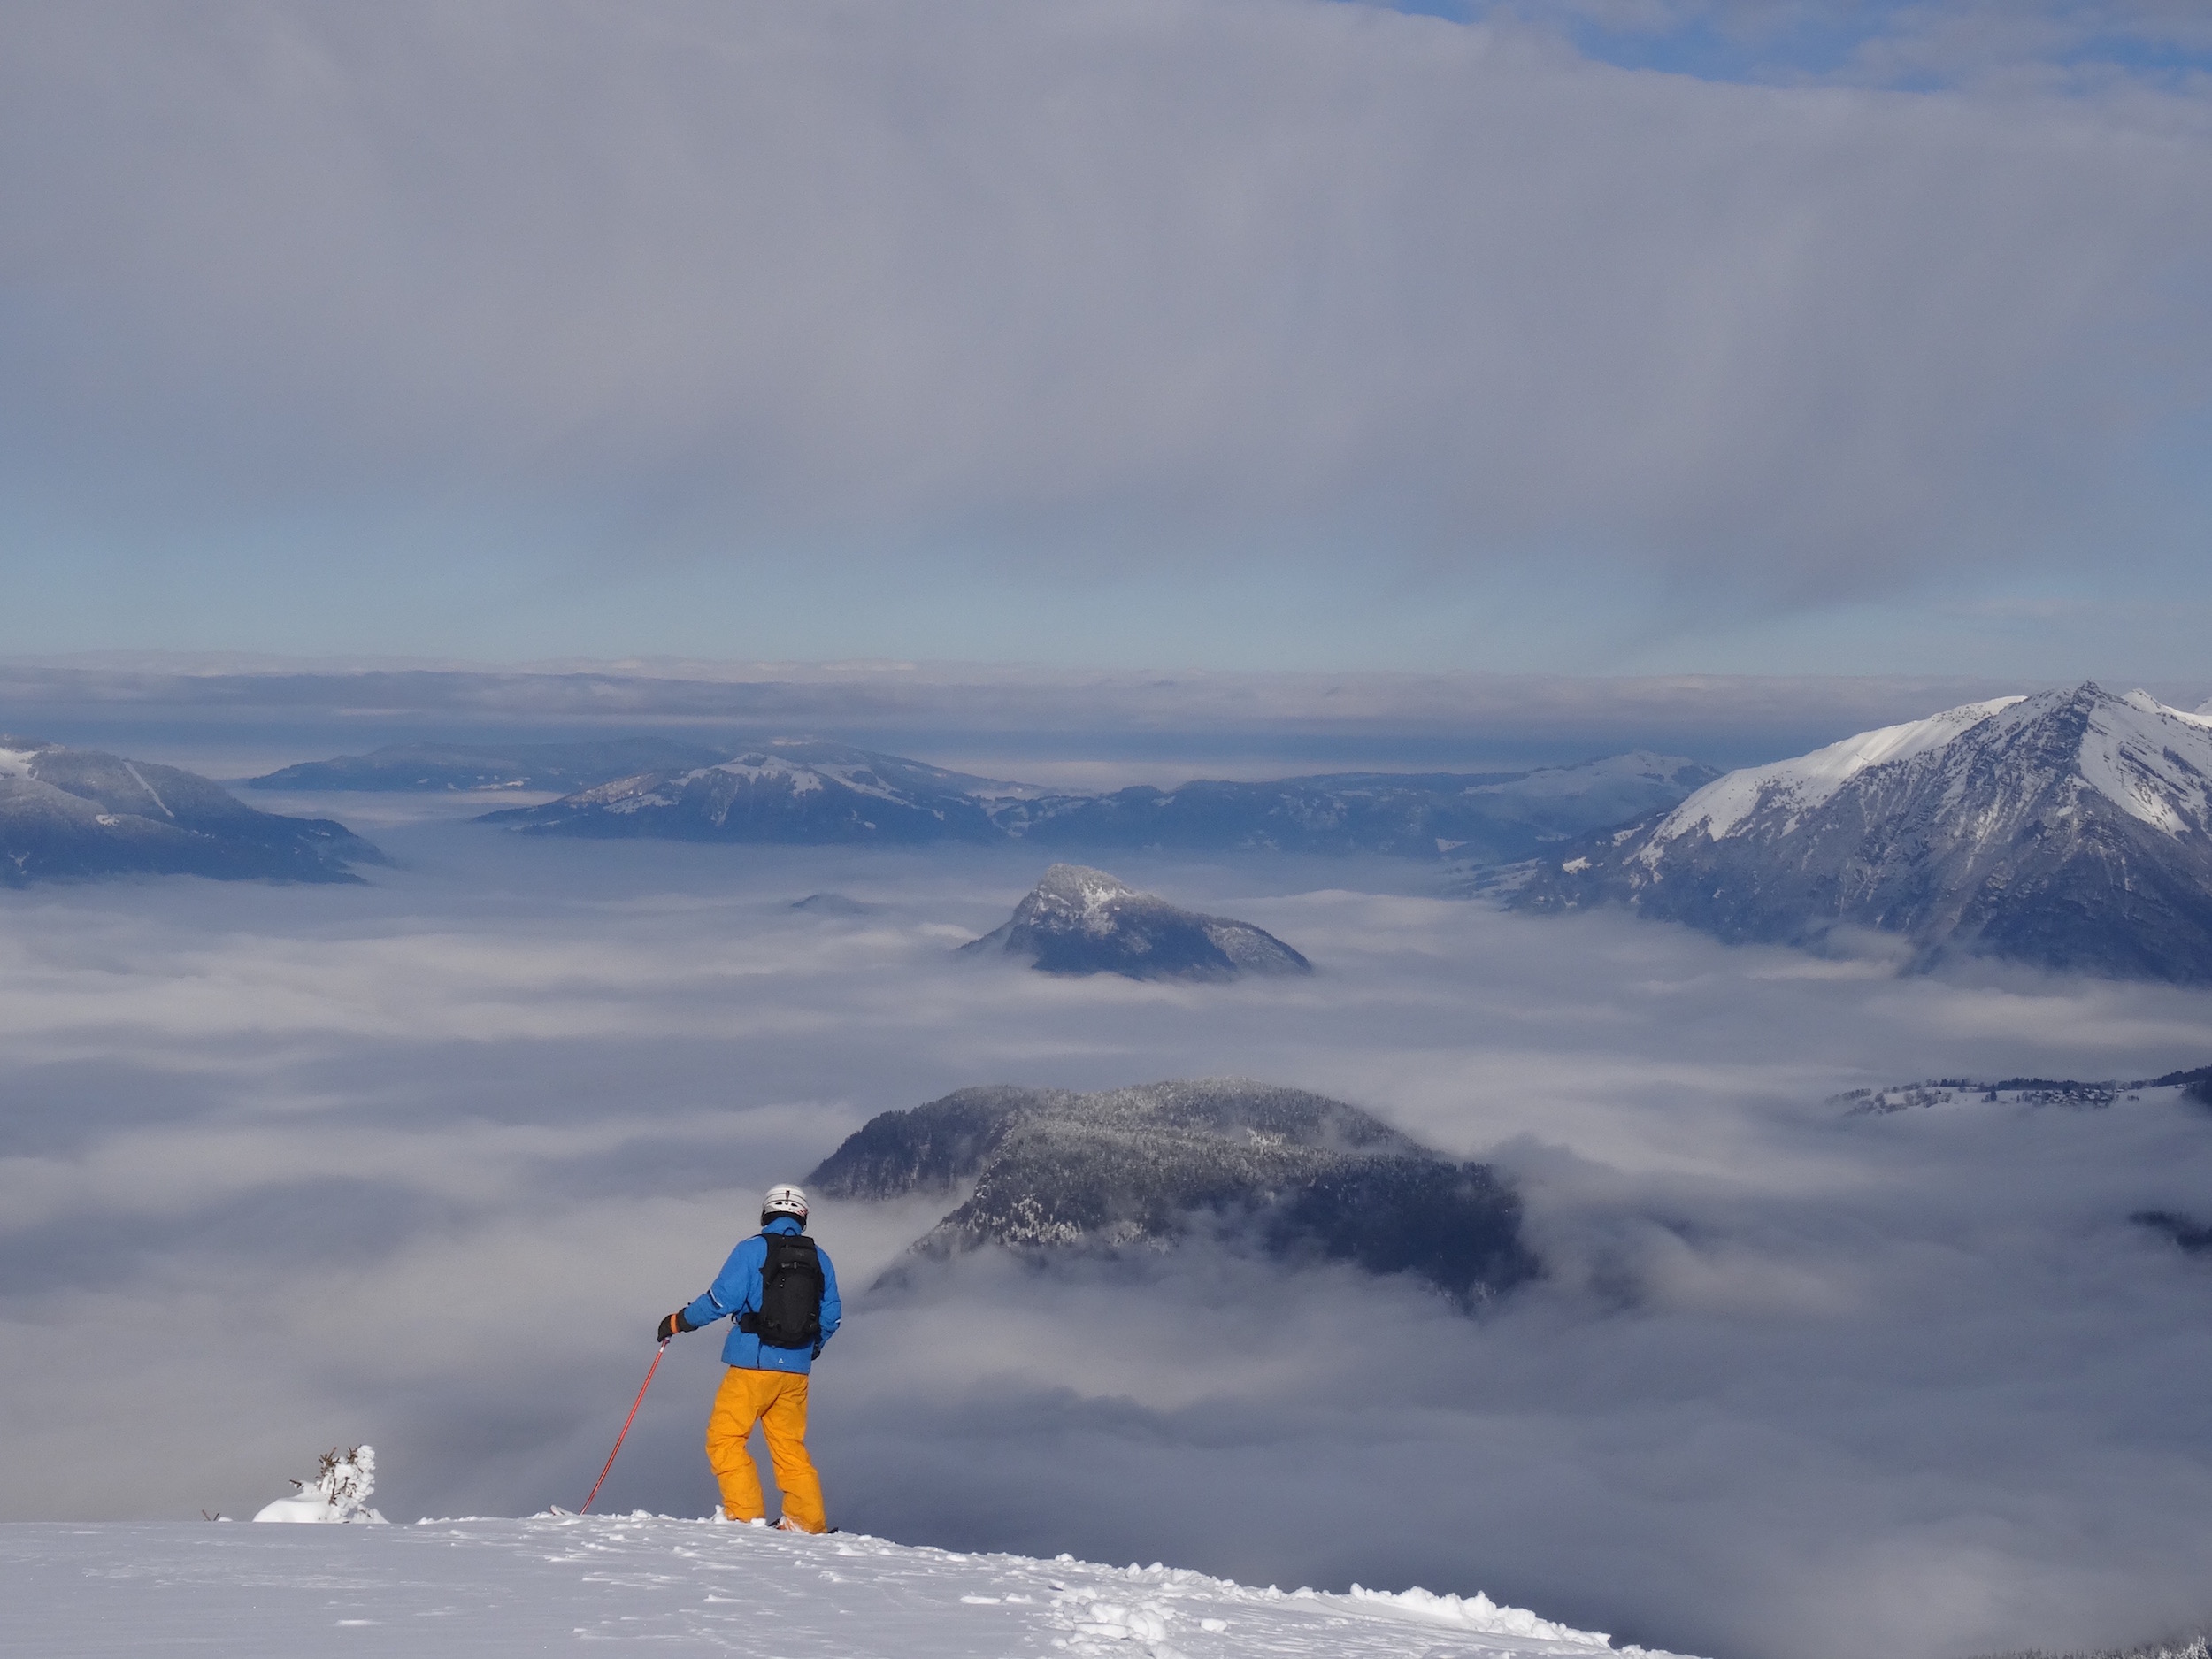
x: 477, y: 1588
x: 1805, y: 782
x: 2153, y: 762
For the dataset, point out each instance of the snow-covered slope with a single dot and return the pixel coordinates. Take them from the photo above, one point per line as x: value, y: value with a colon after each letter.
x: 551, y: 1585
x: 1795, y: 787
x: 1467, y: 816
x: 2071, y: 828
x: 75, y: 813
x: 417, y: 766
x: 798, y: 792
x: 801, y: 791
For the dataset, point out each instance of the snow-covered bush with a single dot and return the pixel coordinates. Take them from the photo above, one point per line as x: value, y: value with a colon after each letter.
x: 340, y: 1492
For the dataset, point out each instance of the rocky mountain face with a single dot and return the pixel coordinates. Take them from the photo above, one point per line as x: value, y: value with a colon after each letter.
x: 797, y: 792
x: 417, y: 766
x: 68, y: 812
x: 1477, y: 817
x: 2071, y: 829
x: 1297, y: 1176
x: 1079, y: 920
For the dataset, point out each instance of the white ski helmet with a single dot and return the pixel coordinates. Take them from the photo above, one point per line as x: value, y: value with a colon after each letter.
x: 783, y: 1200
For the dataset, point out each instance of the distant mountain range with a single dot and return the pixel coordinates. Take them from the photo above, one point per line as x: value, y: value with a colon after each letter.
x: 1079, y: 920
x: 532, y: 766
x: 802, y: 791
x: 2071, y: 829
x: 1295, y: 1176
x: 1475, y: 816
x: 71, y: 812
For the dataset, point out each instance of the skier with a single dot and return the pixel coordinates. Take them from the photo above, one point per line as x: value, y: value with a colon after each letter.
x: 781, y: 1290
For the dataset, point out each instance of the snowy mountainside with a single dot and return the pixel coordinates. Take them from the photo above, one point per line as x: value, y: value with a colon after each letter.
x: 1468, y: 816
x: 1301, y: 1176
x: 1077, y: 920
x: 498, y: 1587
x: 2072, y: 829
x: 802, y: 791
x: 74, y: 812
x: 787, y: 791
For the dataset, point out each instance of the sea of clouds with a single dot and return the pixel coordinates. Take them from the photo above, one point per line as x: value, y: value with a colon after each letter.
x: 423, y: 1162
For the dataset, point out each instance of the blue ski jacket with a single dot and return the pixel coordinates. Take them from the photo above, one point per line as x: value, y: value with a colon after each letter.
x: 736, y: 1288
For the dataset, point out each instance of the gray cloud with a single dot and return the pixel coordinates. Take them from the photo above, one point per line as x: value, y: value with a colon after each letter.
x: 1083, y: 287
x: 424, y: 1161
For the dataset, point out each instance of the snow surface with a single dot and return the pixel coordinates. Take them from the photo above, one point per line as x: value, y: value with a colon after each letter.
x: 2129, y: 756
x: 804, y: 779
x: 1091, y: 894
x: 554, y: 1583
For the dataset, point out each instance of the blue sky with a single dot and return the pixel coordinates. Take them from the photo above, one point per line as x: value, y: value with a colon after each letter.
x: 1603, y: 336
x: 2050, y: 45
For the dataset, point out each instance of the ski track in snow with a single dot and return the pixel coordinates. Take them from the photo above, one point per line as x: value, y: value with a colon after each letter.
x: 132, y: 768
x: 553, y: 1582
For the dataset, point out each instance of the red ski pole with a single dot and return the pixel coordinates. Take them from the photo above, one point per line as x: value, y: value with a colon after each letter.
x: 618, y: 1438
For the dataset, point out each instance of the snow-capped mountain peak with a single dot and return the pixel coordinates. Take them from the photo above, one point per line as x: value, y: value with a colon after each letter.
x: 2070, y: 827
x: 1078, y: 896
x: 1081, y: 920
x: 1799, y: 785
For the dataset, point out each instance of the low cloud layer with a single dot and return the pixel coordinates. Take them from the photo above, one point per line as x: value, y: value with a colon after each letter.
x: 423, y: 1163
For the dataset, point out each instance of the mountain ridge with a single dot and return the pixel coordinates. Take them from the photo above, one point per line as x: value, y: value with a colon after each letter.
x: 77, y: 814
x: 409, y: 767
x: 1297, y: 1175
x: 1077, y: 920
x: 797, y: 789
x: 2071, y: 829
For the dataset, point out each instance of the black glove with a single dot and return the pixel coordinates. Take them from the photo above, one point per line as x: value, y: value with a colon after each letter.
x: 674, y: 1323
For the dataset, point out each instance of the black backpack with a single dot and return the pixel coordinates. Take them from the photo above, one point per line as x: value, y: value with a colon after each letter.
x: 790, y: 1312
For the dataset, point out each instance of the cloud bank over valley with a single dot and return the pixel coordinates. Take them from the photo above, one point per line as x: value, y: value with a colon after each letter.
x: 422, y: 1162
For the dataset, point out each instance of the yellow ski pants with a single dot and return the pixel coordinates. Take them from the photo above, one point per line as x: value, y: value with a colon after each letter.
x: 777, y: 1401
